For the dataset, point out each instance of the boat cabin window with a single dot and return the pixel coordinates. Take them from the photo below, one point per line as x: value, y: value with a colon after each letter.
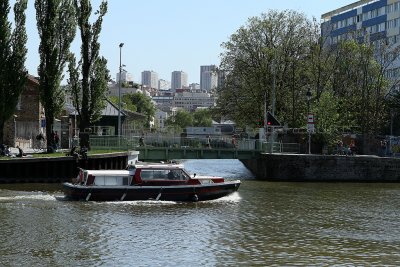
x: 163, y: 175
x: 111, y: 180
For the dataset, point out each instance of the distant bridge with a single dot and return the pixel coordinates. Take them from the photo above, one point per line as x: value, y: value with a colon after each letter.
x: 158, y: 148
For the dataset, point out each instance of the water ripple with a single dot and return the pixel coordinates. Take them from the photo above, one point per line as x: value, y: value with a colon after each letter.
x: 263, y: 224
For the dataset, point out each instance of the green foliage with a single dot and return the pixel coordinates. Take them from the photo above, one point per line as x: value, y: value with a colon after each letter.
x: 263, y: 59
x: 180, y: 120
x: 202, y: 118
x: 360, y: 84
x: 56, y: 26
x: 327, y: 122
x: 140, y: 103
x: 277, y: 57
x: 12, y: 59
x: 88, y: 80
x: 183, y: 119
x: 126, y: 102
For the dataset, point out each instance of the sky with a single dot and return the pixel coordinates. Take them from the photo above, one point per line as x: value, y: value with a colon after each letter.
x: 172, y: 35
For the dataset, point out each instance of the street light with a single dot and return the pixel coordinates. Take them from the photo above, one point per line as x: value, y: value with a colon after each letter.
x: 119, y: 89
x: 308, y: 95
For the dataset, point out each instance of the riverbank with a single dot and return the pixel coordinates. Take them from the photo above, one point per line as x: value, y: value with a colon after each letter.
x: 324, y: 168
x: 48, y: 169
x: 269, y: 167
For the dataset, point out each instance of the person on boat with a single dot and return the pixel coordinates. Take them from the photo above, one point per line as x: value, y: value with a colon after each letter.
x: 171, y: 175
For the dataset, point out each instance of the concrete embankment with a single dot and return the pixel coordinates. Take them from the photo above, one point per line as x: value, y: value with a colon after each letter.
x: 56, y: 169
x: 324, y: 168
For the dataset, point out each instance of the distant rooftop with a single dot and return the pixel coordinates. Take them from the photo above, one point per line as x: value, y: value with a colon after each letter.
x: 327, y: 16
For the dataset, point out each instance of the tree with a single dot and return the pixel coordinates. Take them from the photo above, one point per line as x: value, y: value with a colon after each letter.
x: 394, y: 105
x: 56, y: 26
x: 12, y: 60
x: 143, y: 105
x: 180, y: 120
x: 263, y: 60
x: 328, y: 119
x: 360, y: 84
x: 202, y: 118
x: 88, y: 93
x: 277, y: 57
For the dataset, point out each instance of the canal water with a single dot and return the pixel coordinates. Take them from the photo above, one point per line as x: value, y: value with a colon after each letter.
x: 264, y: 224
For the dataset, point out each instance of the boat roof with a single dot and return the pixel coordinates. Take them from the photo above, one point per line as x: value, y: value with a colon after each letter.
x: 158, y: 166
x: 108, y: 172
x: 143, y: 166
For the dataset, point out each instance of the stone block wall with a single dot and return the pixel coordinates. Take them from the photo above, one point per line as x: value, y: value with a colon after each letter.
x: 324, y: 168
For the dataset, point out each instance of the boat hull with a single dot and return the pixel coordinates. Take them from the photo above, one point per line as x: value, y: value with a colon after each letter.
x: 167, y: 193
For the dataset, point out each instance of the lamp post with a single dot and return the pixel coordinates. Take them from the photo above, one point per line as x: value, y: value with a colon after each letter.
x: 308, y: 95
x: 119, y: 89
x: 15, y: 130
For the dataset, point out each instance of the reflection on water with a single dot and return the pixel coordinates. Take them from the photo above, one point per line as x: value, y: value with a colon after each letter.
x: 263, y: 224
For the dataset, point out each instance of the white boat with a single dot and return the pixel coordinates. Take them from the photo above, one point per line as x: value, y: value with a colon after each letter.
x: 147, y: 181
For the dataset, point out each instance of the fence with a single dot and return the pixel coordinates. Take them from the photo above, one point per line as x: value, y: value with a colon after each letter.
x: 157, y: 141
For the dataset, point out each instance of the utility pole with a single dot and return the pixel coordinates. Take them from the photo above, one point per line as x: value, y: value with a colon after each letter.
x: 119, y: 89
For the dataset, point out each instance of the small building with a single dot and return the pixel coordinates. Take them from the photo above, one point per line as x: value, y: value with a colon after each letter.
x: 202, y: 132
x: 131, y: 122
x: 29, y: 118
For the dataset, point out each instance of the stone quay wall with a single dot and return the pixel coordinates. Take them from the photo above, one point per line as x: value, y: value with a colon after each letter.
x: 56, y: 169
x: 324, y: 168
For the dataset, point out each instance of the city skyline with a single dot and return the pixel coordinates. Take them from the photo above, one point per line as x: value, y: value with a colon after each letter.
x: 178, y: 36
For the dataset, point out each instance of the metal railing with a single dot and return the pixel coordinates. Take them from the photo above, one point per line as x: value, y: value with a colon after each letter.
x: 175, y: 142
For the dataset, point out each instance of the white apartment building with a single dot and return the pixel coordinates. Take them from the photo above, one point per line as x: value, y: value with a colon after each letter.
x: 125, y: 77
x: 163, y: 84
x: 179, y: 79
x: 113, y: 90
x: 160, y: 118
x: 163, y: 102
x: 150, y: 79
x: 208, y: 77
x: 190, y: 101
x: 373, y: 21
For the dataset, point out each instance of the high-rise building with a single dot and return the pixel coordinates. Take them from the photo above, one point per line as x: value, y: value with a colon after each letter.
x: 150, y: 79
x: 179, y: 79
x: 125, y: 77
x: 373, y: 21
x: 163, y: 85
x: 208, y: 77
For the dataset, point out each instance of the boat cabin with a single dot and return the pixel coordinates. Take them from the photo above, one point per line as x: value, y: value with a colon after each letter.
x: 105, y: 177
x: 149, y: 174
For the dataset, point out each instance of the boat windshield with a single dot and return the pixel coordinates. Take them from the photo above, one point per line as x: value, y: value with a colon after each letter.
x: 163, y: 175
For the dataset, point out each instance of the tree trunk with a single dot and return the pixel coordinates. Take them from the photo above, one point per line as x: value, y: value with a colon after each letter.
x: 83, y: 136
x: 2, y: 131
x: 49, y: 136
